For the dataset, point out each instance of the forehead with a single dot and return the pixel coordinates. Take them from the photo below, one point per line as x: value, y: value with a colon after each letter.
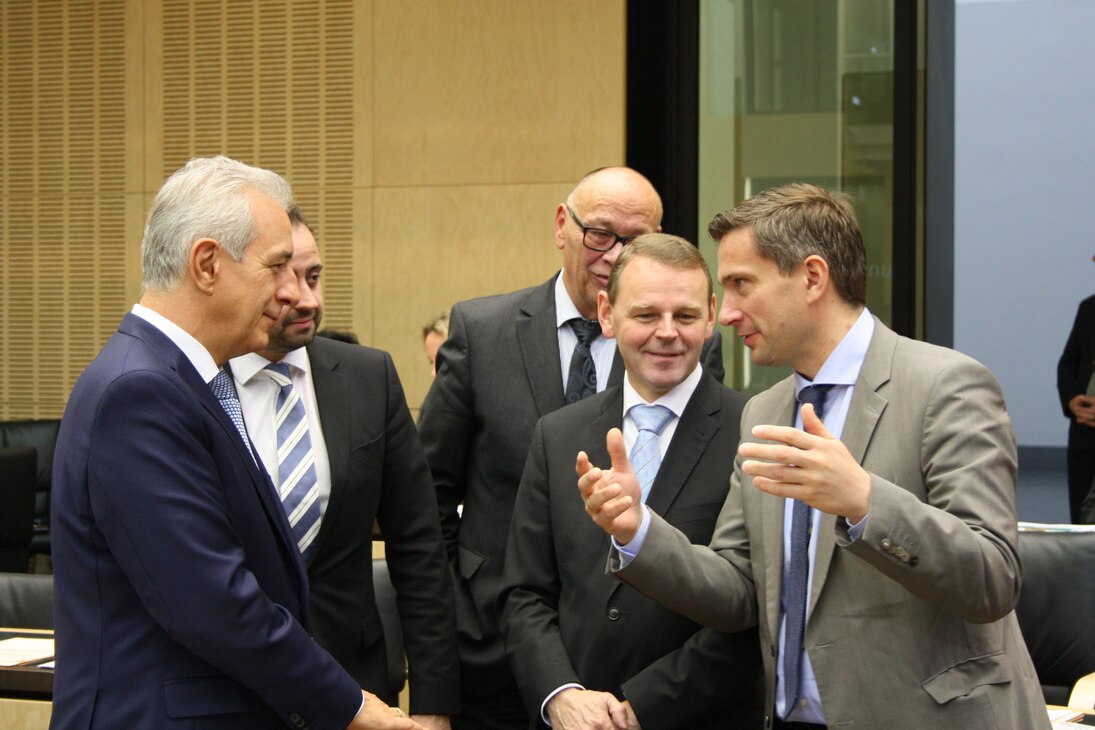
x: 305, y: 248
x: 271, y: 225
x: 738, y: 255
x: 646, y: 282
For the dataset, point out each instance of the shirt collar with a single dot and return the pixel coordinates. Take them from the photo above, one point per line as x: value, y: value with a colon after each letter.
x: 245, y: 367
x: 675, y: 400
x: 564, y: 305
x: 844, y: 363
x: 195, y: 351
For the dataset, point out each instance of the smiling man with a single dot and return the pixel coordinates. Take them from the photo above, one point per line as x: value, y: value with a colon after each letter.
x: 587, y: 650
x: 870, y: 526
x: 352, y: 457
x: 510, y: 359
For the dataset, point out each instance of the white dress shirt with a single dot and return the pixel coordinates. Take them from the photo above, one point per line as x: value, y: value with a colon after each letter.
x: 603, y: 349
x: 258, y: 396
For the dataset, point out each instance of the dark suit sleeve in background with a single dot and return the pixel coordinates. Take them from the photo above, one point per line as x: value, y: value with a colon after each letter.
x: 1075, y: 366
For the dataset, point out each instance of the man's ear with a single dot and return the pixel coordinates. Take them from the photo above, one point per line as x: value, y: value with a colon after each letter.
x: 204, y: 264
x: 712, y: 313
x: 560, y: 222
x: 604, y: 313
x: 816, y: 270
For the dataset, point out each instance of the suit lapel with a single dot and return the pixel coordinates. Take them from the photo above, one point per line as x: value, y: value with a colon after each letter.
x: 698, y: 425
x: 859, y: 425
x: 333, y: 401
x: 781, y: 410
x: 538, y: 340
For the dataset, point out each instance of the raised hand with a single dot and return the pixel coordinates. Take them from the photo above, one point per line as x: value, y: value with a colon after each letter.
x: 612, y: 497
x: 809, y: 464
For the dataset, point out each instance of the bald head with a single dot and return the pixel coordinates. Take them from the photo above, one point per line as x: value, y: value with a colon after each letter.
x: 614, y: 199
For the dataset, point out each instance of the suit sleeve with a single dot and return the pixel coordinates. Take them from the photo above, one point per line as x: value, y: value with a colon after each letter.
x: 447, y: 427
x: 712, y: 585
x: 530, y: 595
x: 963, y: 535
x: 416, y: 558
x: 161, y: 503
x: 1073, y: 369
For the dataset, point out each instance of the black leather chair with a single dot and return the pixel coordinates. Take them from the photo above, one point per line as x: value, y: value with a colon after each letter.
x: 26, y: 601
x: 40, y: 434
x: 393, y: 629
x: 1056, y: 608
x: 17, y: 472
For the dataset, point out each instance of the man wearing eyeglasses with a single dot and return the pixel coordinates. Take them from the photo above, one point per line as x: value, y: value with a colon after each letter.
x: 509, y: 360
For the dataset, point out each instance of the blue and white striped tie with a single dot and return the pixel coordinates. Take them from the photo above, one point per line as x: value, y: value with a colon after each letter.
x: 297, y: 483
x: 646, y: 452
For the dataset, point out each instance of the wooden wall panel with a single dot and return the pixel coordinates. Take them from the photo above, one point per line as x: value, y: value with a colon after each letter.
x: 62, y: 205
x: 428, y: 141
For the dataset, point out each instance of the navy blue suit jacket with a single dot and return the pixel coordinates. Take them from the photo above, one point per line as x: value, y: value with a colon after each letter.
x: 180, y: 600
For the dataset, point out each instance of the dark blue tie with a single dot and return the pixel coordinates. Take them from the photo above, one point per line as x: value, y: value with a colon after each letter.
x: 798, y: 574
x: 225, y: 391
x: 582, y: 376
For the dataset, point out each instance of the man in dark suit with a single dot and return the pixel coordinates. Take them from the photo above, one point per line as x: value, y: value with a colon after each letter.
x: 368, y: 466
x: 180, y: 598
x: 876, y: 549
x: 506, y: 363
x: 587, y: 650
x: 1074, y: 375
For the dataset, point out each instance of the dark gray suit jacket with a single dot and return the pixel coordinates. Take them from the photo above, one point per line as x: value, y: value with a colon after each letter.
x: 565, y: 621
x: 378, y: 472
x: 497, y: 374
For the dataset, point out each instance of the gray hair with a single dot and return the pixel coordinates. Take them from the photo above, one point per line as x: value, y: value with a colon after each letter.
x: 206, y: 198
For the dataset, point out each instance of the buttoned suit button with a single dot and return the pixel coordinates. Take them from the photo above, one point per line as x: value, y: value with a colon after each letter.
x: 887, y: 544
x: 297, y: 720
x: 613, y: 614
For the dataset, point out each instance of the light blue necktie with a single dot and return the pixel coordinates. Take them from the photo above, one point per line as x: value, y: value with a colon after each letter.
x: 298, y: 486
x: 646, y: 454
x: 798, y: 574
x: 225, y: 392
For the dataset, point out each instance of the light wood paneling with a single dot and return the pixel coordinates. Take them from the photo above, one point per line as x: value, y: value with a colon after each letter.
x: 497, y: 91
x: 25, y: 714
x: 428, y: 141
x: 468, y: 241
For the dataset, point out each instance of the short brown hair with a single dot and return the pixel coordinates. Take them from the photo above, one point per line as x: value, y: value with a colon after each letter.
x: 672, y: 251
x: 792, y: 222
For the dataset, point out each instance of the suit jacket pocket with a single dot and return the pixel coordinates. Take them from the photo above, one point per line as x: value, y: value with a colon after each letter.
x: 371, y: 450
x: 201, y: 696
x: 965, y: 677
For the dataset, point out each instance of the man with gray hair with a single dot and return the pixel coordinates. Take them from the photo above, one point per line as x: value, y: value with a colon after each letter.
x: 180, y: 596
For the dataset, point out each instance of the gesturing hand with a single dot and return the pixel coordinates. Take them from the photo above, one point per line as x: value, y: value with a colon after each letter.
x: 811, y: 465
x: 612, y: 497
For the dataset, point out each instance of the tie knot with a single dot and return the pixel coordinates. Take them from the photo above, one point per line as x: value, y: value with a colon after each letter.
x: 586, y: 329
x: 815, y: 395
x: 651, y: 418
x: 279, y: 373
x: 222, y: 386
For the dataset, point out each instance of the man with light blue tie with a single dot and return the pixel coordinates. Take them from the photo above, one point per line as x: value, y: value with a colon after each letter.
x: 588, y: 651
x: 874, y: 541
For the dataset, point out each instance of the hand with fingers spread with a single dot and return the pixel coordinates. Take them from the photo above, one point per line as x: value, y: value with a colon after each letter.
x: 612, y: 497
x: 809, y: 464
x: 583, y: 709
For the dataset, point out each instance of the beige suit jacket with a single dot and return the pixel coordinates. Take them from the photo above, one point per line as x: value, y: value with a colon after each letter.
x: 910, y: 626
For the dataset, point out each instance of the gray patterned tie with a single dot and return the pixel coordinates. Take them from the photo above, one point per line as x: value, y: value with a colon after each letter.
x: 298, y: 486
x: 582, y: 376
x: 798, y: 574
x: 225, y: 392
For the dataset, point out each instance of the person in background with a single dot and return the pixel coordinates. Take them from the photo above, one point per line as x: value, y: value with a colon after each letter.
x: 870, y: 526
x: 510, y: 359
x: 330, y: 421
x: 180, y: 595
x: 1076, y: 390
x: 433, y: 334
x: 586, y: 649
